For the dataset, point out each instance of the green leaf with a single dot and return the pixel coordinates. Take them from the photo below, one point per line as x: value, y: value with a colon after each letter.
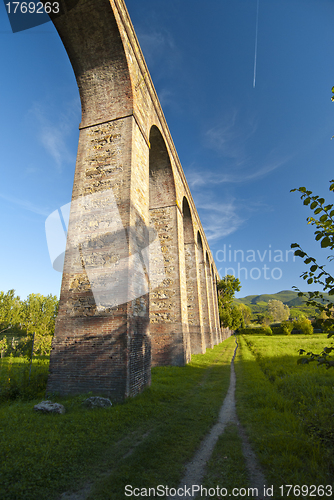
x: 313, y: 204
x: 310, y: 281
x: 323, y: 218
x: 299, y: 253
x: 318, y: 210
x: 307, y: 201
x: 294, y: 245
x: 314, y: 268
x: 302, y: 189
x: 325, y: 242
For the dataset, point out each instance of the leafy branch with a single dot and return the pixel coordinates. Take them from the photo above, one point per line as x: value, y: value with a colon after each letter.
x: 324, y: 224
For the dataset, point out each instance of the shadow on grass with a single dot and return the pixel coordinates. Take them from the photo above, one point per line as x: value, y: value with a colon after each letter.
x: 145, y: 441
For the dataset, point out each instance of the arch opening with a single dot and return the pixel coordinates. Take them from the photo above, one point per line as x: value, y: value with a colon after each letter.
x: 197, y: 343
x: 166, y: 322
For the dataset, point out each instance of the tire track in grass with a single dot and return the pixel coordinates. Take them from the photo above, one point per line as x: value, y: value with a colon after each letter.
x: 195, y: 469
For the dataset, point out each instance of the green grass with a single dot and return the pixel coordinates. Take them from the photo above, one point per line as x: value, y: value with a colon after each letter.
x: 286, y: 409
x: 15, y: 381
x: 227, y: 467
x: 144, y: 442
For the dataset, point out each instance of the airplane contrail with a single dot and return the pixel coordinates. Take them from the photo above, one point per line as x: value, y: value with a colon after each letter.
x: 256, y: 31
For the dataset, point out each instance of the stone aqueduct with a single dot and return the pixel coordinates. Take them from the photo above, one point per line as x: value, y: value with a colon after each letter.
x: 125, y: 148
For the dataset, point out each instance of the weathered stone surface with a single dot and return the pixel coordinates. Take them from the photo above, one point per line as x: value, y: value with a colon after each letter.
x: 49, y: 407
x: 128, y: 162
x: 97, y: 402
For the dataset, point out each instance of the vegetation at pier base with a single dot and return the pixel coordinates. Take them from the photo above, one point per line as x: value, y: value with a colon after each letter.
x: 23, y: 379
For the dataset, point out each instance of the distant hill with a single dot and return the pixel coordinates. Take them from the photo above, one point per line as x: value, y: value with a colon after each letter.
x: 288, y: 297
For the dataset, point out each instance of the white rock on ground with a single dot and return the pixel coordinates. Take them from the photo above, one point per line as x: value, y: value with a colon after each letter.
x: 97, y: 402
x: 49, y: 407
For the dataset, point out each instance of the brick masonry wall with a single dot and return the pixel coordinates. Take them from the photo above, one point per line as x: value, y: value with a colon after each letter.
x: 128, y: 196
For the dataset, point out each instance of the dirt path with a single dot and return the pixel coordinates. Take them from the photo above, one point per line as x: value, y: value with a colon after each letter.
x: 195, y: 470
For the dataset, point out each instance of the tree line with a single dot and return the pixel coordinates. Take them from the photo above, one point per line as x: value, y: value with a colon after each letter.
x: 23, y: 322
x: 272, y: 313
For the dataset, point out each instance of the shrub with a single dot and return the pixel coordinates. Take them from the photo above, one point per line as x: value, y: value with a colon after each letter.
x: 261, y: 330
x: 268, y: 330
x: 286, y: 327
x: 283, y: 328
x: 304, y: 325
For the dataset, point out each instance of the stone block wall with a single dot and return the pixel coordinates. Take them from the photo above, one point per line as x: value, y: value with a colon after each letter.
x: 139, y: 279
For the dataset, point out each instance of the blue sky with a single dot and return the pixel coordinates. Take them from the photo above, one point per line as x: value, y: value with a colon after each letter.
x: 242, y: 147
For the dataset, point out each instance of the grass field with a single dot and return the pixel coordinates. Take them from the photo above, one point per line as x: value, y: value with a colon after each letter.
x: 286, y: 409
x: 144, y: 442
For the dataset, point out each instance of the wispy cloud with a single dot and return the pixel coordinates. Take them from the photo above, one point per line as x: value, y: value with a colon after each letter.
x: 222, y: 218
x: 219, y: 219
x: 232, y: 140
x: 156, y: 44
x: 230, y: 136
x: 165, y: 97
x: 31, y: 170
x: 199, y: 177
x: 53, y: 133
x: 26, y: 205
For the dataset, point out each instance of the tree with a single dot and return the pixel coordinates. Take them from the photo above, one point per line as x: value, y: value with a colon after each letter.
x: 227, y: 287
x: 264, y: 318
x: 321, y: 321
x: 246, y: 312
x: 324, y: 233
x: 304, y: 325
x: 39, y: 314
x: 230, y: 314
x: 10, y: 310
x: 286, y: 327
x: 296, y: 313
x: 38, y: 317
x: 278, y: 310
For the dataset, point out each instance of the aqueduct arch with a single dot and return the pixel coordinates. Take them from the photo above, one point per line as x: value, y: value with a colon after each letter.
x: 138, y: 286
